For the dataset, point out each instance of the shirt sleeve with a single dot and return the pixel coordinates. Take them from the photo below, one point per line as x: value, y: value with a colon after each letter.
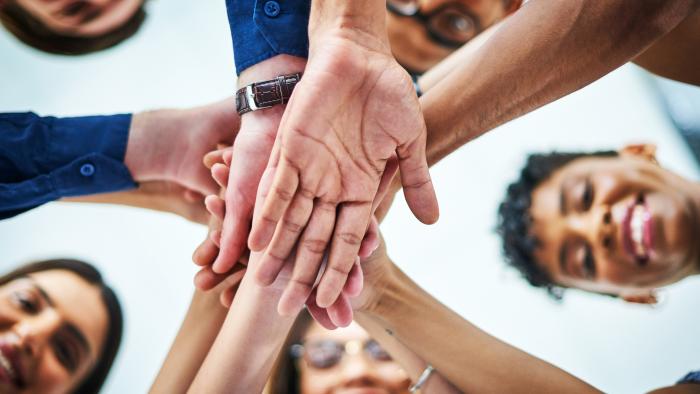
x: 261, y: 29
x: 691, y: 377
x: 45, y: 158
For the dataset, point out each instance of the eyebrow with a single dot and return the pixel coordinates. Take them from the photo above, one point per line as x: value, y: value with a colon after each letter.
x: 563, y: 209
x: 69, y: 327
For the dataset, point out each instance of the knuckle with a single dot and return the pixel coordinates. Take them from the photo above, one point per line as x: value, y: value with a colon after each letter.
x: 292, y: 227
x: 418, y: 184
x: 344, y: 271
x: 315, y: 246
x: 307, y: 193
x: 350, y: 238
x: 284, y: 195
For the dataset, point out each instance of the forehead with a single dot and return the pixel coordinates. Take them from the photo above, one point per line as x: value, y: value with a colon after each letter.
x: 342, y: 334
x: 77, y: 302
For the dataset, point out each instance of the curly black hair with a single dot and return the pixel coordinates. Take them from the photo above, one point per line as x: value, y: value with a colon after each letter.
x: 514, y: 219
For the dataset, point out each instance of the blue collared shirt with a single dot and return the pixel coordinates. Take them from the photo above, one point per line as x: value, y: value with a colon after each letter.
x: 262, y: 29
x: 45, y: 158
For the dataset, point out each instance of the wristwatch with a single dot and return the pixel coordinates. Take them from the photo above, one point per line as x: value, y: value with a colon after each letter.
x: 266, y: 94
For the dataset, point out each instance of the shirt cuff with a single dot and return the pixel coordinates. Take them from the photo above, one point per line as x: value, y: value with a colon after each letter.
x: 262, y: 29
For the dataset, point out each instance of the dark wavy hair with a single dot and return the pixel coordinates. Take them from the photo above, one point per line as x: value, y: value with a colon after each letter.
x: 31, y: 31
x: 514, y: 220
x: 95, y: 379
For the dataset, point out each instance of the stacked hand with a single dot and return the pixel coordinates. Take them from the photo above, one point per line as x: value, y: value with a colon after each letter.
x: 338, y: 314
x: 354, y: 109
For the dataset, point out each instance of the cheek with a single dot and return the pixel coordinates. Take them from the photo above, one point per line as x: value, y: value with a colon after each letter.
x: 51, y: 377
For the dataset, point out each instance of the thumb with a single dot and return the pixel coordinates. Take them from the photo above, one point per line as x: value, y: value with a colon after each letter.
x: 417, y: 185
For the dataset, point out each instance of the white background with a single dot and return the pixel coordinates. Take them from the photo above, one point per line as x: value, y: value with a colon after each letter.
x: 183, y: 57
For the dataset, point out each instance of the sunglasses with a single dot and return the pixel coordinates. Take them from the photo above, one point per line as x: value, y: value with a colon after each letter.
x: 324, y: 354
x: 451, y: 26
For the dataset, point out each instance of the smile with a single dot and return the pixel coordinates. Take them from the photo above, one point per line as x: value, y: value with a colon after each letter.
x: 636, y: 231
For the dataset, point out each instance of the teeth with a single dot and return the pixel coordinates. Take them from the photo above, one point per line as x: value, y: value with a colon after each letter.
x: 5, y: 363
x: 637, y: 227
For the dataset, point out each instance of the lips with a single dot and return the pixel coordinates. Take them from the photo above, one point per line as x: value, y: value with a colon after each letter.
x: 637, y: 231
x: 10, y: 366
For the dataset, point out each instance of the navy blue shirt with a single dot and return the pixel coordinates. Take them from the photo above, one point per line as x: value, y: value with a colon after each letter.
x: 45, y: 158
x: 262, y: 29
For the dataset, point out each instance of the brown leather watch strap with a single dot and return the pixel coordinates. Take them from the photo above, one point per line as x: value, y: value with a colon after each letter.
x: 266, y: 94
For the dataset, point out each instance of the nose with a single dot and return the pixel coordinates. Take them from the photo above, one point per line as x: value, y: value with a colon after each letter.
x: 357, y: 370
x: 34, y: 334
x: 596, y: 227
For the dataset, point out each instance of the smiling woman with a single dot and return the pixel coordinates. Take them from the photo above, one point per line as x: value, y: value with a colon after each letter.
x: 71, y: 27
x: 60, y: 328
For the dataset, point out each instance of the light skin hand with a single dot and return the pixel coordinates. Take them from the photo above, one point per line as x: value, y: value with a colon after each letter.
x: 251, y: 151
x: 168, y: 145
x: 354, y: 109
x: 206, y: 278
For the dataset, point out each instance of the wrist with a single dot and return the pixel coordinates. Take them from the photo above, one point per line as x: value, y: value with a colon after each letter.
x: 271, y: 68
x: 147, y: 150
x: 362, y: 21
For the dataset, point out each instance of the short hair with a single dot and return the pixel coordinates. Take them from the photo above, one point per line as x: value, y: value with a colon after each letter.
x: 31, y: 31
x: 92, y: 383
x: 514, y: 220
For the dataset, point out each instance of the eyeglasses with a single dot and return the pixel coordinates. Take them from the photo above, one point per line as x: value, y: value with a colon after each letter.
x: 325, y: 354
x: 451, y: 25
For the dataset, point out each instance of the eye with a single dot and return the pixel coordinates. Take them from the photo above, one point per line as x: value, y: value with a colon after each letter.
x: 376, y: 351
x: 587, y: 196
x: 588, y: 263
x: 26, y: 301
x: 66, y: 353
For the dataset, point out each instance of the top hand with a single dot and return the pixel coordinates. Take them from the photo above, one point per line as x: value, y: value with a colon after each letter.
x: 354, y: 108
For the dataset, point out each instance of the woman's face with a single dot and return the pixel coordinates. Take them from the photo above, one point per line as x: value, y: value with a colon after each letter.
x: 620, y: 225
x: 363, y: 368
x: 411, y: 41
x: 83, y: 18
x: 52, y: 327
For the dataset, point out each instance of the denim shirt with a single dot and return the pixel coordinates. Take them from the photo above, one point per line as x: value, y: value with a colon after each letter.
x: 45, y: 158
x: 262, y: 29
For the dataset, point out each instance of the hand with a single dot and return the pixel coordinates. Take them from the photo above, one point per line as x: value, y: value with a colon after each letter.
x: 251, y: 152
x: 354, y: 109
x: 337, y: 315
x: 168, y: 145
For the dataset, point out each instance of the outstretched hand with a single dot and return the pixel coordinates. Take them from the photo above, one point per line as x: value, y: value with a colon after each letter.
x: 354, y: 109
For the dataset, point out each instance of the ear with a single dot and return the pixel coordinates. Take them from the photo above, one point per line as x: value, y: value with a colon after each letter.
x: 511, y: 6
x: 647, y: 298
x: 641, y: 151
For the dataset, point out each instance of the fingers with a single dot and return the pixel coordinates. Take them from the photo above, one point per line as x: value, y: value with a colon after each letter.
x: 417, y: 185
x: 355, y: 282
x: 319, y: 314
x: 310, y: 253
x: 288, y: 231
x: 280, y: 196
x: 206, y: 253
x: 350, y: 227
x: 215, y: 206
x: 340, y: 312
x: 220, y: 173
x: 370, y: 242
x: 392, y: 165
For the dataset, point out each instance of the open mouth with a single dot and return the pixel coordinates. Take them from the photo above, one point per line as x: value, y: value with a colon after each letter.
x: 10, y: 370
x: 636, y: 231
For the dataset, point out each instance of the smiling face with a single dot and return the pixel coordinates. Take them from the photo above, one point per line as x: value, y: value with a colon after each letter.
x: 411, y: 41
x: 52, y: 326
x: 346, y: 360
x: 83, y: 18
x: 618, y: 225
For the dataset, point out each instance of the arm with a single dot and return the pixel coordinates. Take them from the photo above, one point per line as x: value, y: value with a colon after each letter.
x: 194, y: 339
x: 542, y: 52
x: 467, y: 357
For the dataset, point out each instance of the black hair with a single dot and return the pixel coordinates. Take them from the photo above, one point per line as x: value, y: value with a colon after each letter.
x: 92, y: 383
x: 31, y: 31
x: 514, y: 220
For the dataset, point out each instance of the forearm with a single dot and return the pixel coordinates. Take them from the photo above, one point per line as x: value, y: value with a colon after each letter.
x: 469, y: 358
x: 411, y: 363
x: 245, y: 350
x: 194, y: 339
x: 541, y: 53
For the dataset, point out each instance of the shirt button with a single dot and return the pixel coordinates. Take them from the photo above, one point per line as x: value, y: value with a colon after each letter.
x: 87, y: 169
x: 272, y: 9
